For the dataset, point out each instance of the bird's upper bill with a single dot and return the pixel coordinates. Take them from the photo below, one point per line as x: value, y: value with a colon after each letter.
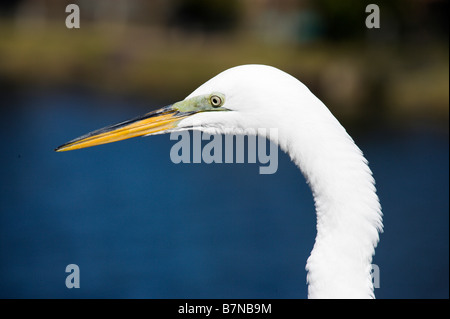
x: 159, y: 121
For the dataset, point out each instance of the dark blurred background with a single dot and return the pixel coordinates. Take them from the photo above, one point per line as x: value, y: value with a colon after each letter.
x: 140, y: 226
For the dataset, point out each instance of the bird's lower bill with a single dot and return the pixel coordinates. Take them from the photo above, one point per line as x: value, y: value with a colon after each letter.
x: 157, y: 121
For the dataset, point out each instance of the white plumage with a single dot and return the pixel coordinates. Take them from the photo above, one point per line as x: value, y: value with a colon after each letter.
x: 348, y: 211
x: 249, y: 98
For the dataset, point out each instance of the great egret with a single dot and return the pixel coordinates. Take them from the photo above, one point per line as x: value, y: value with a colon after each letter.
x: 242, y: 100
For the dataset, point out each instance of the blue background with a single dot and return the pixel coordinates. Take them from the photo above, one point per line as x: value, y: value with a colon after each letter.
x: 139, y: 226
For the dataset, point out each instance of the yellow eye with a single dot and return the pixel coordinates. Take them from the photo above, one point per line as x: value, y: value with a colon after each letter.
x: 216, y: 101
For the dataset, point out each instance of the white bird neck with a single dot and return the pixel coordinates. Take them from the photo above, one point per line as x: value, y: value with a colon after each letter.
x: 347, y: 207
x: 348, y: 211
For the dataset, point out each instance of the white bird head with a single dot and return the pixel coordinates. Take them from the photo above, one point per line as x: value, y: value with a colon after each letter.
x: 239, y: 100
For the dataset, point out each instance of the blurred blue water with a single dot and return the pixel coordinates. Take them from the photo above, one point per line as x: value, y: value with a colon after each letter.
x: 139, y: 226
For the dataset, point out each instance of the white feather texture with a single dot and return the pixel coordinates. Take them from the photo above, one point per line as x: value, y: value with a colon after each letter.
x: 349, y: 216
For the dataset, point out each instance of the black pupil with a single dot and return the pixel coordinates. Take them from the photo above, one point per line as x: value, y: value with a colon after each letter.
x: 215, y: 101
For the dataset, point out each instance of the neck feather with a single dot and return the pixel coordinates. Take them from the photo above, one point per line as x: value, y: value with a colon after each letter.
x: 348, y: 211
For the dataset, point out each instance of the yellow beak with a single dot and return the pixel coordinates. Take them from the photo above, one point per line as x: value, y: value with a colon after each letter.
x: 160, y: 120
